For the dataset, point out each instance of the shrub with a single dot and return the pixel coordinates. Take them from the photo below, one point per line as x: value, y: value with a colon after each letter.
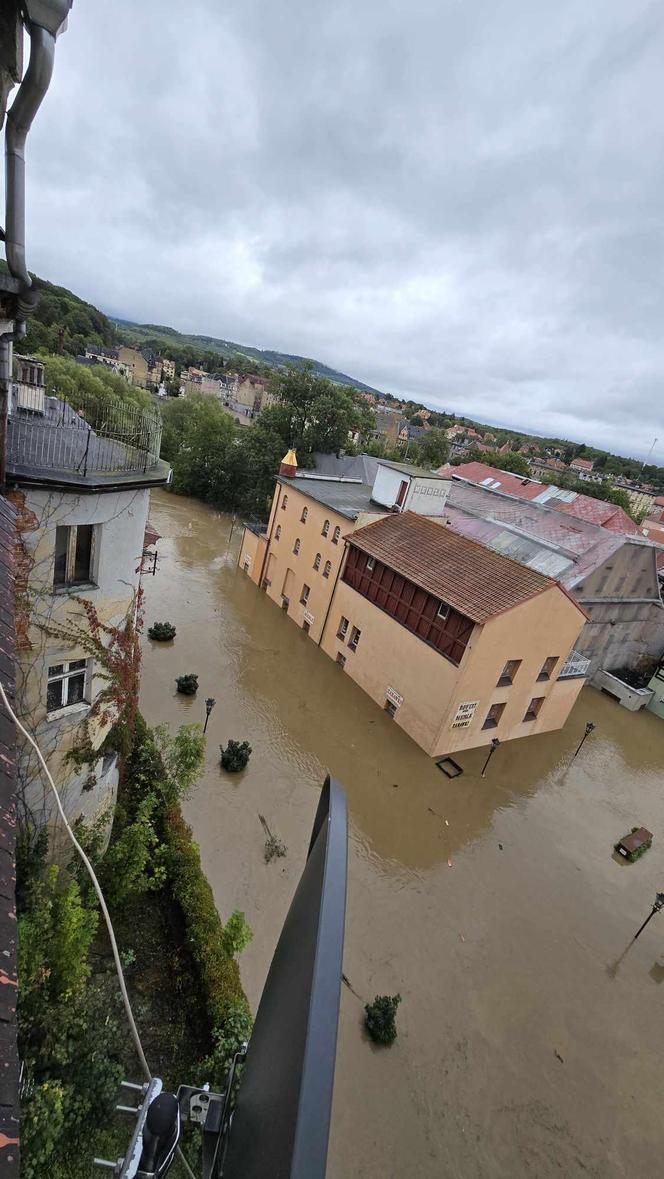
x: 237, y: 934
x: 274, y: 848
x: 227, y: 1041
x: 380, y: 1018
x: 187, y: 684
x: 162, y: 632
x: 235, y: 756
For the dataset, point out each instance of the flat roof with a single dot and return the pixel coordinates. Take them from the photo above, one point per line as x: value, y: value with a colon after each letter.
x: 410, y: 469
x: 344, y: 497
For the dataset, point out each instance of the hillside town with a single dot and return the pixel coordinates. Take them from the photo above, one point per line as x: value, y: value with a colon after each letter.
x: 453, y: 628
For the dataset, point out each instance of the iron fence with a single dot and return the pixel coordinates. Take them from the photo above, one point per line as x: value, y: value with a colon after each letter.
x: 574, y: 665
x: 93, y: 434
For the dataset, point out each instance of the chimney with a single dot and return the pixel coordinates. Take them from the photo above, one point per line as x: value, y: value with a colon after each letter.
x: 288, y: 465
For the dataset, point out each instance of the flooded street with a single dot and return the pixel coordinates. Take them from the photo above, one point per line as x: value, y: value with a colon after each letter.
x: 529, y: 1043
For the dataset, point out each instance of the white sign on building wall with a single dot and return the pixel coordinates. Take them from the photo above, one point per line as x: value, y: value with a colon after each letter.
x: 308, y: 618
x: 394, y: 697
x: 464, y: 715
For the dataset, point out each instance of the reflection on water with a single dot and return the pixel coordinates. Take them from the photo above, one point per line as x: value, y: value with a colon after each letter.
x: 492, y: 905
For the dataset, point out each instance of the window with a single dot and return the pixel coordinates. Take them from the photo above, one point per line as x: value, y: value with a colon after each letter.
x: 304, y: 596
x: 328, y: 569
x: 278, y: 532
x: 341, y: 659
x: 284, y: 501
x: 343, y: 627
x: 317, y: 561
x: 547, y: 668
x: 296, y: 546
x: 66, y: 684
x: 74, y: 555
x: 390, y: 708
x: 534, y: 708
x: 508, y: 673
x: 303, y: 517
x: 336, y: 534
x: 493, y: 716
x: 325, y: 528
x: 370, y: 564
x: 443, y: 610
x: 354, y: 638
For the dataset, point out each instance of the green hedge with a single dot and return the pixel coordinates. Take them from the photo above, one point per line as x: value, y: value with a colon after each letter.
x: 220, y: 974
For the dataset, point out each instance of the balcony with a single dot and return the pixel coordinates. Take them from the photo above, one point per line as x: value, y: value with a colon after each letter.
x: 97, y: 442
x: 575, y: 667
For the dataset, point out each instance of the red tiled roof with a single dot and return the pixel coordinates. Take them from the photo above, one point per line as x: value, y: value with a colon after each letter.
x: 654, y: 534
x: 584, y: 507
x: 476, y: 581
x: 581, y: 464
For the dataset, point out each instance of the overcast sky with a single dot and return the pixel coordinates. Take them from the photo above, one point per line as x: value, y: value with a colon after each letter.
x: 456, y: 201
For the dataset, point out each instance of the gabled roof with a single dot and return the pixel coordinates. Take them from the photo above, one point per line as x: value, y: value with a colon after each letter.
x: 471, y: 578
x: 585, y: 507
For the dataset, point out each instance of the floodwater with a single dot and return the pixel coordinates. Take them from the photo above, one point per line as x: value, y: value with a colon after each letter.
x: 531, y: 1038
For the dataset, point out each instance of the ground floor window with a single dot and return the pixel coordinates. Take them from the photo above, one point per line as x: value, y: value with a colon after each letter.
x: 534, y: 708
x: 341, y: 659
x: 390, y: 708
x: 67, y: 684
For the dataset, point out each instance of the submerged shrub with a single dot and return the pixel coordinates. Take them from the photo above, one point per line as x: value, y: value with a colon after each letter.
x: 162, y: 632
x: 187, y: 684
x: 380, y: 1018
x: 235, y: 756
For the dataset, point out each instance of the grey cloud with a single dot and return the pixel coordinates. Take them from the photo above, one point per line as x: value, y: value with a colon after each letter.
x: 459, y: 202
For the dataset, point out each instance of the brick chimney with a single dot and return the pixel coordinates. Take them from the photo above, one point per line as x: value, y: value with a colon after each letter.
x: 288, y: 465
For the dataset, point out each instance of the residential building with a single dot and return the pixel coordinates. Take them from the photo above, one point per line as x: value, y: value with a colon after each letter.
x: 582, y: 467
x: 254, y: 393
x: 388, y: 423
x: 410, y: 431
x: 80, y: 494
x: 641, y: 499
x: 168, y: 368
x: 547, y: 466
x: 29, y: 383
x: 111, y: 358
x: 459, y: 644
x: 137, y: 363
x: 397, y: 607
x: 612, y: 574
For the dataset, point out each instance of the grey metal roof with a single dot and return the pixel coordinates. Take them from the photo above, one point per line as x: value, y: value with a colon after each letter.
x: 348, y: 466
x: 346, y: 498
x: 411, y: 469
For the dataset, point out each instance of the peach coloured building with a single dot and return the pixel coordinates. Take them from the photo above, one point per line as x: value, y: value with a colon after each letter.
x: 460, y: 644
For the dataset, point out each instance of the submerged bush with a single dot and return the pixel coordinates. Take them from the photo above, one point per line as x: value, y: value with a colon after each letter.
x: 187, y: 684
x: 235, y: 756
x: 162, y: 632
x: 380, y: 1018
x: 237, y: 934
x: 274, y: 848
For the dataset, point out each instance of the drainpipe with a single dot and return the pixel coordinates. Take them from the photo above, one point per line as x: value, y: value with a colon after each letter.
x: 329, y: 607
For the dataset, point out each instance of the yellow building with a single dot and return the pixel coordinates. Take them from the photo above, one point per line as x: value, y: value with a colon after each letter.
x: 459, y: 643
x: 137, y: 363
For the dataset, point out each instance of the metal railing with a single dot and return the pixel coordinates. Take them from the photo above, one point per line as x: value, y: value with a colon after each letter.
x: 574, y: 665
x: 101, y: 435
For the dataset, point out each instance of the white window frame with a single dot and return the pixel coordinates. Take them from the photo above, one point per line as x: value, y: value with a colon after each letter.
x: 69, y: 672
x: 443, y: 610
x: 370, y: 565
x: 327, y: 569
x: 354, y: 640
x: 342, y: 630
x: 69, y: 582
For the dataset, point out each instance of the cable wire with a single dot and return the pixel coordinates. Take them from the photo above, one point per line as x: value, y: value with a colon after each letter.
x: 100, y: 896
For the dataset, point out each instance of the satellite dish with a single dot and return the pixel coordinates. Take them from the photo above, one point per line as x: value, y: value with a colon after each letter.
x: 280, y: 1127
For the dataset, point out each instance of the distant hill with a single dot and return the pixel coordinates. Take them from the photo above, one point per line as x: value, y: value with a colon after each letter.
x: 155, y: 334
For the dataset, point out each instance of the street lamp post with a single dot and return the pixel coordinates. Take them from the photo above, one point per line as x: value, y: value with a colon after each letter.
x: 659, y: 903
x: 590, y: 728
x: 494, y: 745
x: 209, y: 705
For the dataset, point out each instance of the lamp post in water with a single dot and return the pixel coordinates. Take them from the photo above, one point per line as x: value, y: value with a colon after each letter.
x: 659, y: 904
x: 590, y: 728
x: 494, y: 745
x: 209, y: 705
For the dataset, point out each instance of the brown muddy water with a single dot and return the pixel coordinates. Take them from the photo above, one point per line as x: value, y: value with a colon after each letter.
x: 531, y: 1039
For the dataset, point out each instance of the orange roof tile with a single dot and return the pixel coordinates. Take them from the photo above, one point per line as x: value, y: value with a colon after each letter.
x: 475, y: 580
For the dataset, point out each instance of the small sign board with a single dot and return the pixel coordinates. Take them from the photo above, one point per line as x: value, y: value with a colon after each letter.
x: 308, y: 618
x: 464, y: 715
x: 394, y: 697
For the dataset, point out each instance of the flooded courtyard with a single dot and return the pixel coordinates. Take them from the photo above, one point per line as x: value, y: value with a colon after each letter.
x: 531, y: 1040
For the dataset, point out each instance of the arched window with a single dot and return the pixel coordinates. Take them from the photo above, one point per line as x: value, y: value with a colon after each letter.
x: 317, y: 560
x: 326, y: 528
x: 284, y: 501
x: 278, y: 532
x: 303, y: 517
x: 328, y: 569
x: 296, y: 546
x: 336, y: 534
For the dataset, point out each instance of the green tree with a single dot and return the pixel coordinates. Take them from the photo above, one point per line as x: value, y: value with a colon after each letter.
x: 514, y: 462
x: 432, y: 449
